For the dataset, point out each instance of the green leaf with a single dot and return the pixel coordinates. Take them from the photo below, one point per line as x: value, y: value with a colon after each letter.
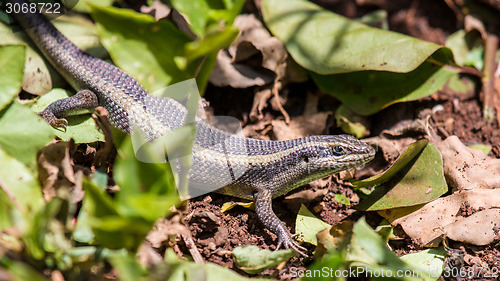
x: 83, y: 6
x: 42, y: 236
x: 368, y: 250
x: 7, y: 209
x: 366, y: 68
x: 208, y: 45
x: 148, y: 190
x: 429, y: 262
x: 420, y: 181
x: 82, y: 32
x: 36, y: 79
x: 137, y: 44
x: 11, y: 72
x: 342, y: 199
x: 19, y: 184
x: 19, y: 271
x: 486, y: 148
x: 127, y: 267
x: 202, y: 13
x: 100, y: 205
x: 461, y: 43
x: 253, y: 260
x: 81, y: 128
x: 180, y: 270
x: 327, y: 43
x: 307, y: 226
x: 408, y: 154
x: 367, y: 92
x: 23, y: 133
x: 39, y: 75
x: 330, y: 263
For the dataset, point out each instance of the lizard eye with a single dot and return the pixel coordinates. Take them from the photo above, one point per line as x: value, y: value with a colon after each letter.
x: 338, y: 150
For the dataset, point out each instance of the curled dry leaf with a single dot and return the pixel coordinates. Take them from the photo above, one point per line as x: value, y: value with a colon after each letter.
x: 426, y: 225
x: 164, y: 228
x: 467, y: 168
x: 234, y: 68
x: 471, y: 214
x: 300, y: 126
x: 55, y: 168
x: 481, y: 228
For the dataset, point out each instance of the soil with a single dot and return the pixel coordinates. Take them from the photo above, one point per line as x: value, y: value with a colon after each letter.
x: 217, y: 233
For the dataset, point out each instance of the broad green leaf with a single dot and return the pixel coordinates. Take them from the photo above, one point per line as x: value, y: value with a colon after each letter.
x: 39, y: 236
x: 83, y: 6
x: 461, y: 84
x: 202, y: 13
x: 408, y: 154
x: 367, y: 92
x: 369, y: 251
x: 366, y: 68
x: 22, y: 133
x: 208, y: 45
x: 327, y: 43
x: 82, y: 32
x: 182, y: 270
x: 19, y: 184
x: 7, y: 208
x: 11, y: 72
x: 330, y: 264
x: 429, y: 262
x: 100, y: 205
x: 419, y: 181
x: 127, y: 267
x: 461, y: 43
x: 142, y: 47
x: 253, y: 260
x: 19, y: 271
x: 81, y: 128
x: 148, y: 190
x: 307, y: 226
x: 39, y: 75
x: 36, y: 79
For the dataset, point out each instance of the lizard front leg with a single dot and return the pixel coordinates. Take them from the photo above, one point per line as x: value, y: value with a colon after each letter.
x: 264, y: 210
x: 81, y: 101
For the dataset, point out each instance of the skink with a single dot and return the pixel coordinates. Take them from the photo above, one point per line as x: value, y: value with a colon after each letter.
x: 269, y: 168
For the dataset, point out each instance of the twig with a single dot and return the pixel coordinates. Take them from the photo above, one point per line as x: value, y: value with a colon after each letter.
x: 188, y: 240
x: 275, y: 90
x: 490, y: 64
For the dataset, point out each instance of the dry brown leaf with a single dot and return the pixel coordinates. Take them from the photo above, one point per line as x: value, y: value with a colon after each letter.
x: 426, y: 225
x: 235, y: 68
x: 259, y: 103
x: 147, y: 256
x: 163, y: 229
x: 467, y: 168
x: 55, y: 169
x: 300, y: 126
x: 225, y: 73
x: 482, y: 228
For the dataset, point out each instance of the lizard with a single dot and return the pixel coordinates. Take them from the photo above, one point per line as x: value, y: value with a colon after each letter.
x: 270, y: 168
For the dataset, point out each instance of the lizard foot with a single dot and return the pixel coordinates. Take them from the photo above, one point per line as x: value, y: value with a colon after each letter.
x: 53, y: 120
x: 288, y: 243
